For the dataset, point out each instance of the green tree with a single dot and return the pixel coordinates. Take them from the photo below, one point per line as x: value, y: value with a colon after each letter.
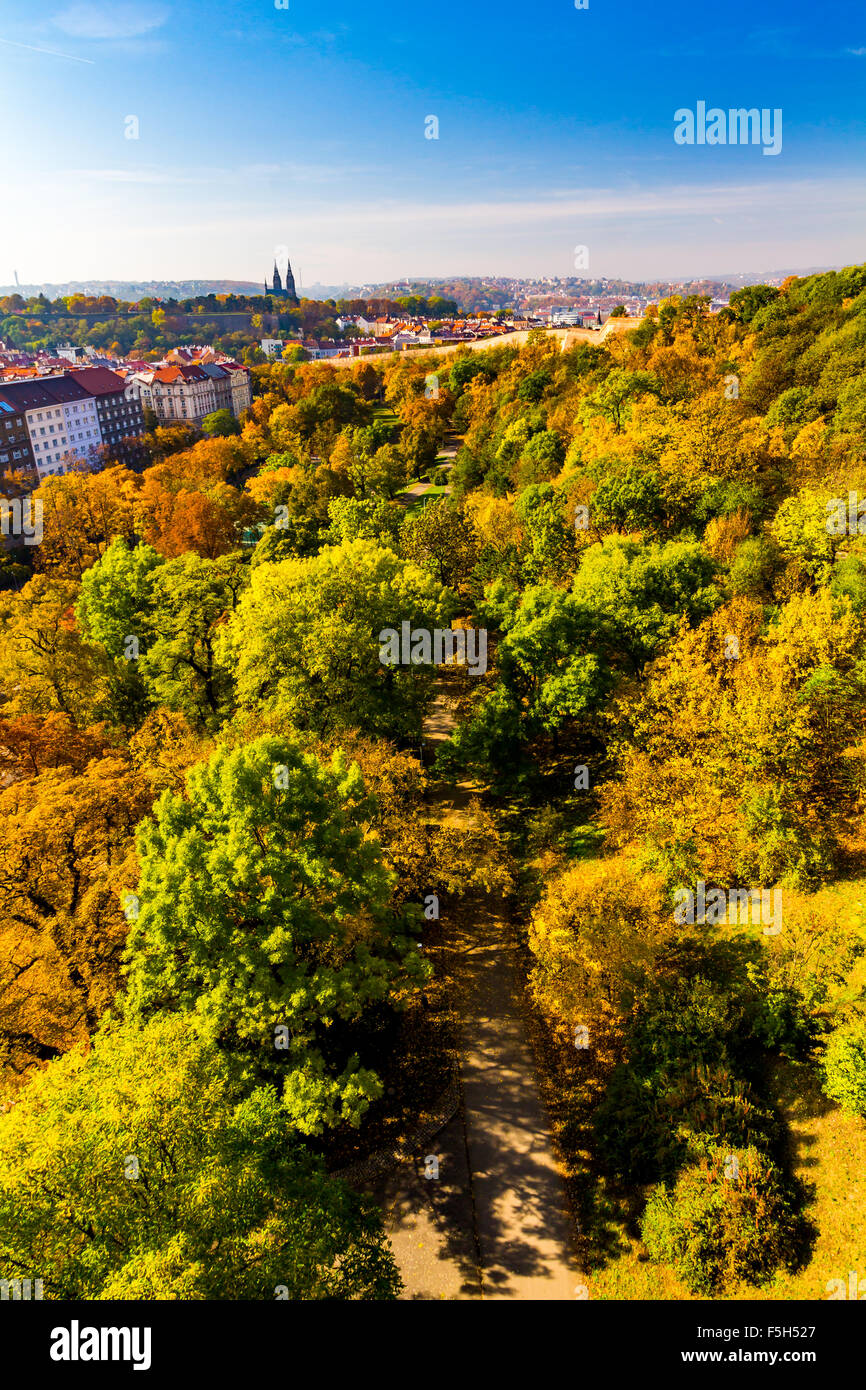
x: 844, y: 1066
x: 441, y: 538
x: 221, y: 423
x: 140, y: 1172
x: 643, y: 591
x: 305, y: 639
x: 264, y: 910
x: 180, y: 665
x: 117, y: 596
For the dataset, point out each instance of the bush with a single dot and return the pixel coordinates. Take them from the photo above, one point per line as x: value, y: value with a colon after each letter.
x: 753, y: 567
x: 844, y: 1067
x: 716, y: 1226
x: 649, y: 1127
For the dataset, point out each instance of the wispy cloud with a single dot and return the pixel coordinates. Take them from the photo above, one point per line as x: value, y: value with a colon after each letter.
x: 52, y: 52
x: 116, y: 21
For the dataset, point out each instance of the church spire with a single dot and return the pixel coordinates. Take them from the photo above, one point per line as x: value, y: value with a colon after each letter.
x: 278, y: 284
x: 291, y: 292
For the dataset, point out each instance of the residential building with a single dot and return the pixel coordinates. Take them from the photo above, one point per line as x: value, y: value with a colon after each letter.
x: 62, y: 422
x: 188, y: 393
x: 16, y: 453
x: 118, y: 409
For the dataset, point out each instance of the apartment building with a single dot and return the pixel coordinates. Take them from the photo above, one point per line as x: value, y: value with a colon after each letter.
x: 62, y: 422
x: 16, y: 454
x: 118, y: 409
x: 186, y: 393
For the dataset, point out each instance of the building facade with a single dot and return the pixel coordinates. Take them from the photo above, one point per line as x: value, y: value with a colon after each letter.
x: 16, y: 454
x: 185, y: 394
x: 118, y: 409
x: 61, y: 423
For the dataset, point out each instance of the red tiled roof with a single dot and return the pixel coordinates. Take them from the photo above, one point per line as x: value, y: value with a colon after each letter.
x: 98, y: 381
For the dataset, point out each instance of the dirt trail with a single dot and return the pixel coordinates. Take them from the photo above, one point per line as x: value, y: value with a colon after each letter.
x: 494, y: 1225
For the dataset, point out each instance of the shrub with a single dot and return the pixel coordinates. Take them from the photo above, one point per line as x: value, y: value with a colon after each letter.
x: 649, y: 1127
x: 718, y: 1225
x: 844, y: 1067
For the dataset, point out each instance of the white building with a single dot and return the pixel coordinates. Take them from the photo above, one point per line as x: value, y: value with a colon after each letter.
x: 62, y: 422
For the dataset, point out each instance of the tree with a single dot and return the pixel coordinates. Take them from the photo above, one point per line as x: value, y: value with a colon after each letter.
x: 264, y: 910
x: 372, y: 518
x: 748, y: 301
x: 643, y: 591
x: 305, y: 639
x: 180, y: 665
x: 762, y: 725
x: 82, y: 513
x: 117, y: 596
x: 65, y: 840
x: 141, y: 1172
x: 32, y: 744
x: 552, y: 549
x: 717, y: 1231
x: 614, y: 398
x: 592, y: 937
x: 44, y: 664
x: 440, y: 537
x: 221, y: 423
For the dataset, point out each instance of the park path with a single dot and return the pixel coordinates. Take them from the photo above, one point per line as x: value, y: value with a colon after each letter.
x: 495, y: 1223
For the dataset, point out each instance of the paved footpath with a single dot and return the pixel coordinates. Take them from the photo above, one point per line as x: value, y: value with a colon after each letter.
x: 494, y: 1225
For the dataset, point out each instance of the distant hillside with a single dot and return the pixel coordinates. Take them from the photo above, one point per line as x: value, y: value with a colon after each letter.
x: 133, y: 290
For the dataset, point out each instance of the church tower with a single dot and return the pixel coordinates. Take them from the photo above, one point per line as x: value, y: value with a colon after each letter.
x: 278, y: 284
x: 291, y: 292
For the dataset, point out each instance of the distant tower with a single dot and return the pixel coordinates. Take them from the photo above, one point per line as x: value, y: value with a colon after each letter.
x: 278, y: 291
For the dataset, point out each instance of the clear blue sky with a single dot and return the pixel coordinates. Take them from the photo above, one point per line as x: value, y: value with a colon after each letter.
x: 304, y: 127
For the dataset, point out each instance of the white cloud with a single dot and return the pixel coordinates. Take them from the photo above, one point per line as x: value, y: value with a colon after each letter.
x: 116, y: 21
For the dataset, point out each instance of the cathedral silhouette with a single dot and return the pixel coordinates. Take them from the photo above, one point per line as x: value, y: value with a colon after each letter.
x: 283, y: 292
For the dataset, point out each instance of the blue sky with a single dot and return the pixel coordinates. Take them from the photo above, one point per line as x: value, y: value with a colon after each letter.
x: 304, y: 128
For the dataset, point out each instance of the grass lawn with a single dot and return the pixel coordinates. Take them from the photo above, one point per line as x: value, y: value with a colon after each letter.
x: 827, y: 1151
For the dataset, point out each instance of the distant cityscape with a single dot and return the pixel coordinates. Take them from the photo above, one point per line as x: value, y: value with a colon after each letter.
x: 129, y: 365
